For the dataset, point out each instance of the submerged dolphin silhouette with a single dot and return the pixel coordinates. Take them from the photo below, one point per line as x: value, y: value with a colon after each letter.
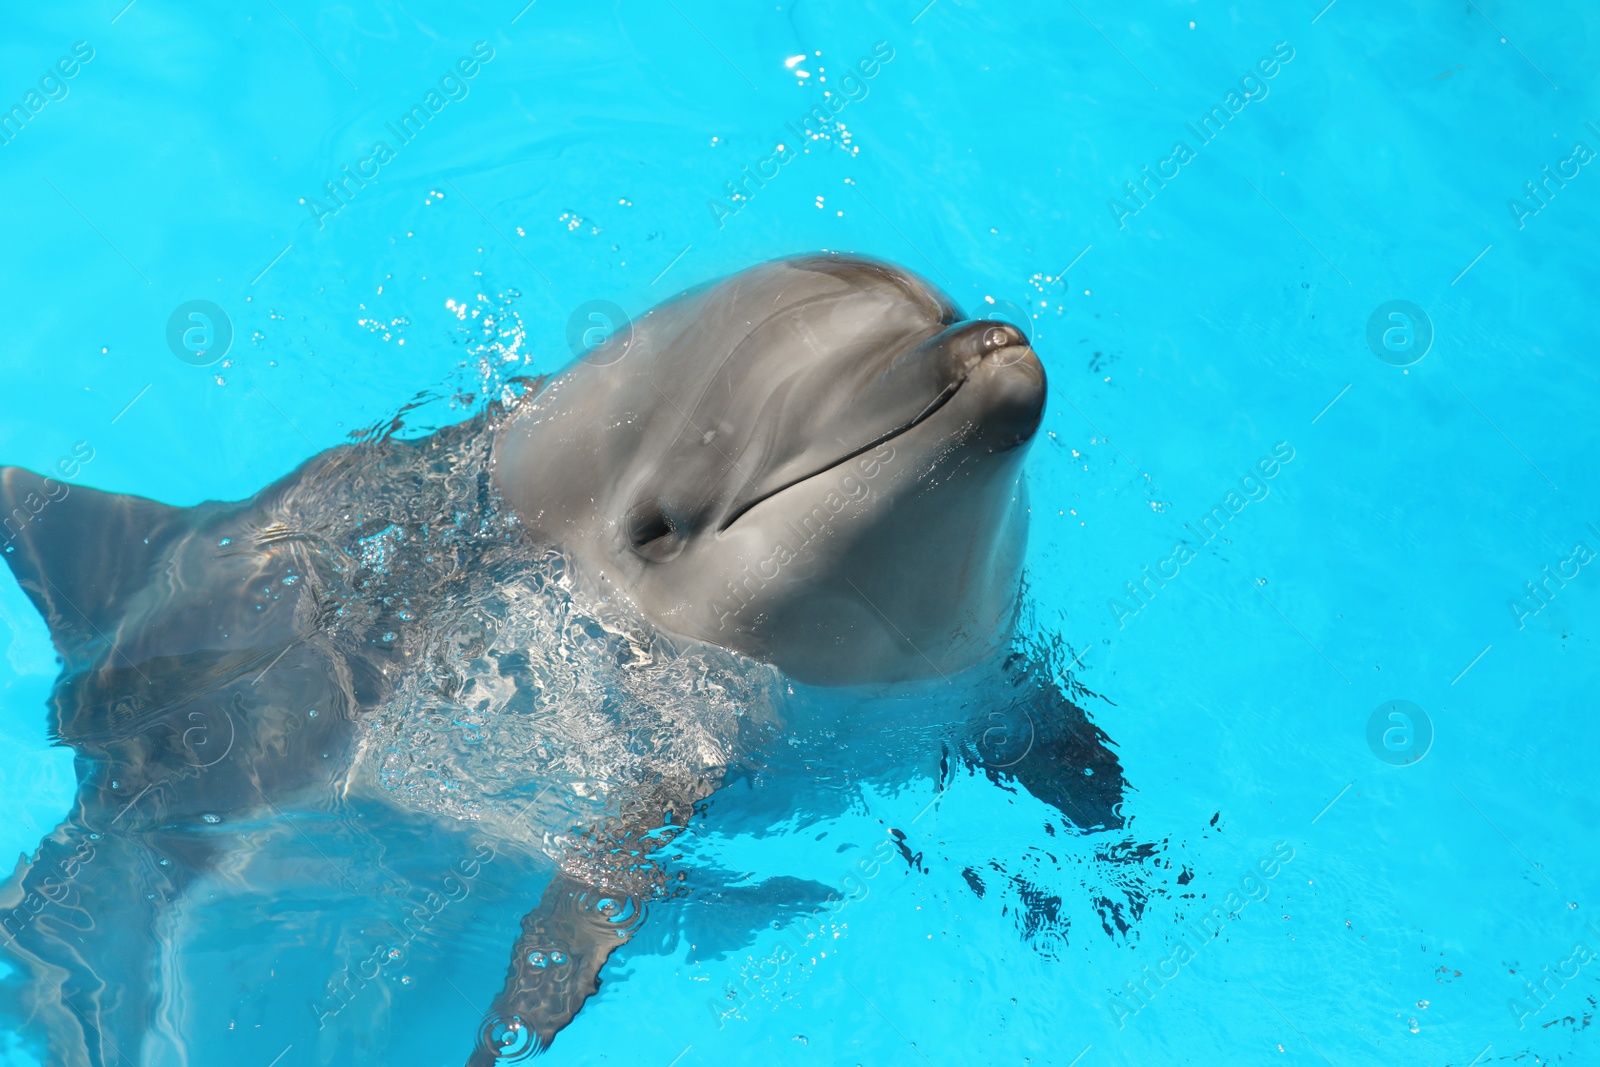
x: 814, y: 464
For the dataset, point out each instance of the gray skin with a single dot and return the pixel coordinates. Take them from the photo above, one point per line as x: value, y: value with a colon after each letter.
x: 813, y: 463
x: 160, y: 631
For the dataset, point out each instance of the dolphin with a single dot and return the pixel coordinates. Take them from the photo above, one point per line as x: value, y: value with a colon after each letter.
x: 568, y: 621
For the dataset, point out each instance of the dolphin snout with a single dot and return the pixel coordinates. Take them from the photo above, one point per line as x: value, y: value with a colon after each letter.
x: 1008, y: 382
x: 963, y: 346
x: 990, y: 371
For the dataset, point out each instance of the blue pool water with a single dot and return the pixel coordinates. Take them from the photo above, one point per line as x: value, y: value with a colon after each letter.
x: 1213, y: 318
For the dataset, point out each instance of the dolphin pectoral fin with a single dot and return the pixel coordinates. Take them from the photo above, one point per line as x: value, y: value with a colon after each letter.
x: 79, y: 553
x: 555, y: 967
x: 1041, y: 740
x: 83, y: 918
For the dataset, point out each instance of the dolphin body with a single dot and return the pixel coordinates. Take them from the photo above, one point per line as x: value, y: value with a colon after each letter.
x: 810, y: 470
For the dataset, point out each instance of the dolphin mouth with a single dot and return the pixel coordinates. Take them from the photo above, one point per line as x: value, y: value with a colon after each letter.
x: 945, y: 396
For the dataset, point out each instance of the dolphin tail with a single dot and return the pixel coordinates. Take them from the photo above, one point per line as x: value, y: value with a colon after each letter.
x: 555, y: 967
x: 82, y: 919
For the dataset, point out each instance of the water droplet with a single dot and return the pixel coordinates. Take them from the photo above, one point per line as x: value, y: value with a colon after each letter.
x: 212, y: 819
x: 538, y: 959
x: 1413, y: 1024
x: 312, y: 713
x: 225, y: 541
x: 557, y: 956
x: 390, y: 636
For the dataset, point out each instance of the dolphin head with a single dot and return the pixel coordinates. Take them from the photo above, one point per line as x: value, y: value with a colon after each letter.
x: 815, y: 462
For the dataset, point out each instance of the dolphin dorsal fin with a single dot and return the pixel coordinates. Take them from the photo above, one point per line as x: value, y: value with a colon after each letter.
x: 80, y: 553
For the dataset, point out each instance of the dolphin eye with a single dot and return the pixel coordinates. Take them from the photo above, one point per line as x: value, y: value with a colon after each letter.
x: 653, y: 533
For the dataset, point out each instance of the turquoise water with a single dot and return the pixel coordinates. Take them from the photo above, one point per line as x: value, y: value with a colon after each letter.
x: 1215, y: 320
